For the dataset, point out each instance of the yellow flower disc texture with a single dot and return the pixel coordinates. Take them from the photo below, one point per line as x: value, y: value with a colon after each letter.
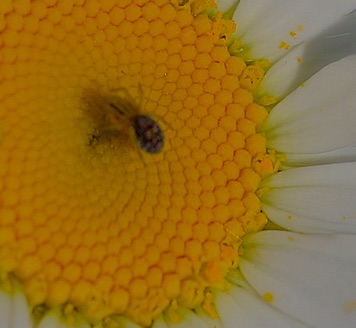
x: 90, y: 223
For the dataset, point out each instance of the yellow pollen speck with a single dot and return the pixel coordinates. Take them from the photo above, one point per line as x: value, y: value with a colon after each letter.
x: 350, y: 306
x: 268, y: 297
x: 284, y: 45
x: 208, y: 306
x: 268, y: 100
x: 97, y: 222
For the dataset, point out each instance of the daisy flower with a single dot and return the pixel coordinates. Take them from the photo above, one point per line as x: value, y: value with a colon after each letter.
x: 177, y: 163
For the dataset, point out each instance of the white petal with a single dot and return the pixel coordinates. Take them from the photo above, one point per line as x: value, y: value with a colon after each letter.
x: 319, y: 116
x: 342, y: 155
x: 264, y: 25
x: 129, y: 324
x: 226, y: 5
x: 20, y: 312
x: 216, y: 323
x: 52, y: 320
x: 14, y: 311
x: 159, y: 323
x: 307, y: 58
x: 312, y: 199
x: 243, y: 307
x: 310, y: 277
x: 5, y: 306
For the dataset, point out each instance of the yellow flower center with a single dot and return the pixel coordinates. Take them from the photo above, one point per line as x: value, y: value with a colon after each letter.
x: 90, y: 222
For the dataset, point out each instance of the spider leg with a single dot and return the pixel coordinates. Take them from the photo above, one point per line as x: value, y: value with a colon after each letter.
x: 126, y: 93
x: 121, y: 108
x: 140, y: 88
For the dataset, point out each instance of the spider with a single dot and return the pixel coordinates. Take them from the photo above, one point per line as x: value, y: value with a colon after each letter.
x: 124, y: 113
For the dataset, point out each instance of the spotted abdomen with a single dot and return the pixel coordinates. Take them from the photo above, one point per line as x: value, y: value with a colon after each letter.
x: 148, y: 134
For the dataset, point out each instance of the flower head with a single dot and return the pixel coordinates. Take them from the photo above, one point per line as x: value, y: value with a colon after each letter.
x: 134, y: 140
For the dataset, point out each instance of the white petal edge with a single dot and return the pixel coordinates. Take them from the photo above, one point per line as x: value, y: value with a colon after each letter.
x: 127, y: 323
x: 51, y: 320
x: 5, y: 308
x: 216, y: 323
x: 307, y: 58
x: 160, y: 323
x: 20, y: 311
x: 243, y: 307
x: 312, y: 199
x: 226, y: 5
x: 14, y: 311
x: 342, y: 155
x: 280, y: 78
x: 311, y: 277
x: 263, y: 25
x: 319, y: 116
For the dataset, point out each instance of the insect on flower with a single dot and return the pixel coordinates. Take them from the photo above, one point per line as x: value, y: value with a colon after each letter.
x: 123, y: 114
